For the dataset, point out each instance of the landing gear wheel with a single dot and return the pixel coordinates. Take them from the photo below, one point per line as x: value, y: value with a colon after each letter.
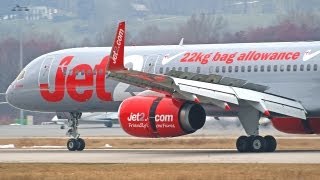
x: 242, y: 144
x: 62, y: 127
x: 257, y: 144
x: 72, y: 144
x: 81, y: 144
x: 271, y: 143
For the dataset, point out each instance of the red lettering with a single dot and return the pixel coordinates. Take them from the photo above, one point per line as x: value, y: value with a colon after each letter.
x: 78, y: 87
x: 256, y: 56
x: 206, y: 58
x: 192, y: 57
x: 58, y: 93
x: 199, y: 57
x: 216, y: 57
x: 100, y: 80
x: 265, y: 56
x: 296, y: 55
x: 288, y: 56
x: 281, y: 55
x: 73, y: 83
x: 185, y: 57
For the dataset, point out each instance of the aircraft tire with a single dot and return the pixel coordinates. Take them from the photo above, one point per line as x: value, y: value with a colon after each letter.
x: 271, y: 143
x: 72, y: 144
x: 81, y: 144
x: 257, y: 144
x: 242, y: 144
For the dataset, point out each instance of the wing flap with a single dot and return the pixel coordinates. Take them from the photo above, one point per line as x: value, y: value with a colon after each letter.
x: 285, y: 110
x: 217, y: 79
x: 216, y: 95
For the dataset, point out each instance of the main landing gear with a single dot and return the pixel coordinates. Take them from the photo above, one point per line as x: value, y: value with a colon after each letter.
x: 249, y: 118
x: 256, y: 144
x: 75, y: 143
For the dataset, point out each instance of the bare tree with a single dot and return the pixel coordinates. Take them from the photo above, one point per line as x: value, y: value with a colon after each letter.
x: 202, y: 28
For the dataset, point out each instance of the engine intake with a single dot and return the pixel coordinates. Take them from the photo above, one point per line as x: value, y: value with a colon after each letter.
x: 160, y: 116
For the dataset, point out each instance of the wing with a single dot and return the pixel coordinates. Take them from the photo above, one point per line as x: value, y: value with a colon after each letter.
x: 210, y: 89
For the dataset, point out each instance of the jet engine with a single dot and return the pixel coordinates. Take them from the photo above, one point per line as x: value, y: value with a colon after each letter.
x: 297, y: 126
x: 151, y: 116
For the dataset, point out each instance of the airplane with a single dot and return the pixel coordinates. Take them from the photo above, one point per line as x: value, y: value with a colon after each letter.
x: 108, y: 119
x: 167, y: 91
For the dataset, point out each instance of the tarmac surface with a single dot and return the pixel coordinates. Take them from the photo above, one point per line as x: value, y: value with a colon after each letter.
x: 155, y: 156
x: 61, y: 155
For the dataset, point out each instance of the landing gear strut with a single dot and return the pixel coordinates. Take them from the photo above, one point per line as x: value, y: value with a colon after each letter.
x: 249, y: 118
x: 256, y: 144
x: 75, y: 143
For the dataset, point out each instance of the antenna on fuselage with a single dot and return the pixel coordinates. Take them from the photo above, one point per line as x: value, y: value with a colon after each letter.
x: 181, y: 42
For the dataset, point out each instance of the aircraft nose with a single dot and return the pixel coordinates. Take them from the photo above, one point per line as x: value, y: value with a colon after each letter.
x: 9, y: 95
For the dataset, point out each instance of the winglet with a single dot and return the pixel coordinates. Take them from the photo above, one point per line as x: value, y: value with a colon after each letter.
x: 117, y: 52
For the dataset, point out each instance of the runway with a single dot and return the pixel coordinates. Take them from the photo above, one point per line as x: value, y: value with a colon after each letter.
x: 155, y: 156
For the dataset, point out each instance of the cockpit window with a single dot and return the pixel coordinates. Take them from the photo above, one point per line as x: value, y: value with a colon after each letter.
x: 21, y: 75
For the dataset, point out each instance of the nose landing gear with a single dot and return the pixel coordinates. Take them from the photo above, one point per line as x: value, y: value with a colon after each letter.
x: 75, y: 143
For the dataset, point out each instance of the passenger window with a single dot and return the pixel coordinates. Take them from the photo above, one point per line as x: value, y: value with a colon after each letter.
x: 281, y: 68
x: 161, y: 70
x: 255, y: 68
x: 249, y: 69
x: 243, y: 68
x: 167, y: 69
x: 301, y: 67
x: 275, y: 68
x: 210, y: 69
x: 315, y: 67
x: 262, y: 68
x: 308, y: 67
x: 230, y: 69
x: 269, y: 68
x: 179, y: 68
x: 198, y: 70
x: 223, y: 69
x: 236, y: 69
x: 217, y: 69
x: 186, y: 69
x: 174, y: 68
x: 288, y: 67
x: 295, y: 67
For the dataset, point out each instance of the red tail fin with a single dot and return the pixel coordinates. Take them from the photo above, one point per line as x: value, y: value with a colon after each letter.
x: 117, y: 51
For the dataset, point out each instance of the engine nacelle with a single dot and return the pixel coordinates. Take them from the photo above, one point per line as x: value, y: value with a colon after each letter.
x: 297, y: 126
x: 160, y: 116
